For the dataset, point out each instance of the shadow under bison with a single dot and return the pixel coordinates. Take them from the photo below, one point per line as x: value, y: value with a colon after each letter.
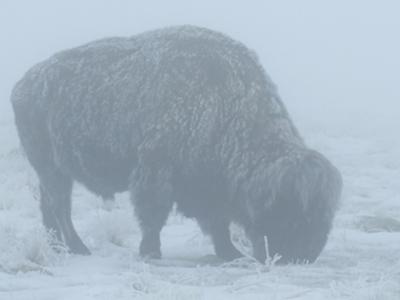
x: 179, y: 115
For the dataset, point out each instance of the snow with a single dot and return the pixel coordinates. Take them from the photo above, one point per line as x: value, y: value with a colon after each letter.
x: 360, y: 261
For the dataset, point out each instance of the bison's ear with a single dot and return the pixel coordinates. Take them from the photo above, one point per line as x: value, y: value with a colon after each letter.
x: 316, y: 182
x: 298, y: 179
x: 261, y: 189
x: 310, y: 180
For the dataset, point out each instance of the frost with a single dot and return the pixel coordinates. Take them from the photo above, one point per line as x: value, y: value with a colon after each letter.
x: 361, y: 260
x: 355, y: 265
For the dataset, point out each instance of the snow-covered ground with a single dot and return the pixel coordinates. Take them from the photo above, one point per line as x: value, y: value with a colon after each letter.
x: 360, y: 261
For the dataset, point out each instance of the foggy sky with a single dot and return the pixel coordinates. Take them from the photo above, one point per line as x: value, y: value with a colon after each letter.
x: 336, y: 63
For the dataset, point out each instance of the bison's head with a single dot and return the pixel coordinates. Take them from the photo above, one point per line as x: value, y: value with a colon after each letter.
x: 294, y: 207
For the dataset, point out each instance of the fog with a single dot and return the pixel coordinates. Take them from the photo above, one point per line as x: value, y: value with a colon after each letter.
x: 336, y: 63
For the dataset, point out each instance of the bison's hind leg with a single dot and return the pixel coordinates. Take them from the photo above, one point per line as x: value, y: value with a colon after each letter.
x: 55, y: 185
x: 55, y: 204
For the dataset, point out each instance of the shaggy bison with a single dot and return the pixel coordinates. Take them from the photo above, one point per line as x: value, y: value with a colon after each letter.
x: 179, y: 115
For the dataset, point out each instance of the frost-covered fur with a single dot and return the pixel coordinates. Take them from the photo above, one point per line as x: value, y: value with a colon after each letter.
x: 184, y: 115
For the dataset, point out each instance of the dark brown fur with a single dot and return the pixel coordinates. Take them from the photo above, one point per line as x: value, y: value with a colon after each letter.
x: 179, y: 115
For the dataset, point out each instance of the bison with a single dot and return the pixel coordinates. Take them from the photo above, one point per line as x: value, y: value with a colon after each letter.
x: 181, y: 115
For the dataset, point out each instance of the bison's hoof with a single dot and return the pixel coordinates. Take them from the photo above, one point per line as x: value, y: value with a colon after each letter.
x: 229, y: 256
x: 151, y: 255
x: 82, y: 252
x: 79, y: 249
x: 150, y: 247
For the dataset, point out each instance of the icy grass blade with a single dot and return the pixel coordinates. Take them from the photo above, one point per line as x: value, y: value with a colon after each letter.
x: 33, y: 252
x: 243, y: 244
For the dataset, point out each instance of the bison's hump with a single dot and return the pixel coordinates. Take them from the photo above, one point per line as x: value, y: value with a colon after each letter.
x: 190, y: 84
x: 157, y: 46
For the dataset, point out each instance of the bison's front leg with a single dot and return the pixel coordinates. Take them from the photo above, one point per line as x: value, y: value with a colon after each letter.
x: 151, y: 195
x: 218, y: 229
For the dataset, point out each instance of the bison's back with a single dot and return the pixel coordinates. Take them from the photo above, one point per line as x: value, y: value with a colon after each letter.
x: 100, y: 106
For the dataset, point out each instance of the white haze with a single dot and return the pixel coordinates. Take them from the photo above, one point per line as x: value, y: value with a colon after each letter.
x: 336, y: 63
x: 337, y: 66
